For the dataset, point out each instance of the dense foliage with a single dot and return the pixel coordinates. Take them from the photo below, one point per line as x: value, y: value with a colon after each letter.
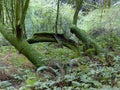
x: 41, y: 17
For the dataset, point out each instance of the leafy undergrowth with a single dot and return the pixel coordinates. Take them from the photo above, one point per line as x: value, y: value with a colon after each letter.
x: 101, y: 18
x: 63, y: 70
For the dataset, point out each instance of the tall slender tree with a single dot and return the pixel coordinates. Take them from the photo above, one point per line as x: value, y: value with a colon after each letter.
x: 78, y: 6
x: 57, y: 16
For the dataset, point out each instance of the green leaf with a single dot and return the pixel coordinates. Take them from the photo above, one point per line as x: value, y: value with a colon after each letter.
x: 42, y: 68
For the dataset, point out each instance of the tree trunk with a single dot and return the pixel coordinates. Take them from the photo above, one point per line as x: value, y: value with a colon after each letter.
x: 23, y: 47
x: 86, y: 39
x: 77, y: 9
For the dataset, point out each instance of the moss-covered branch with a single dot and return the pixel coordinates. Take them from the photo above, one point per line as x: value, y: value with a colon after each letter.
x: 86, y: 39
x: 52, y: 37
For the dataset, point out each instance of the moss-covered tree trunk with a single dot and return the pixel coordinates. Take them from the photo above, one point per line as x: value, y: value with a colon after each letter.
x: 80, y: 34
x: 23, y: 47
x: 15, y: 11
x: 86, y: 39
x: 77, y: 9
x: 52, y: 37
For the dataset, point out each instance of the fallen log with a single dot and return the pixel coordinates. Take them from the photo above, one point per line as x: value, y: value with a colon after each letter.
x: 52, y: 37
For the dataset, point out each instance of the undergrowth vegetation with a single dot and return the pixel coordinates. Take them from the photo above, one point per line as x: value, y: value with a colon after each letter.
x: 63, y: 70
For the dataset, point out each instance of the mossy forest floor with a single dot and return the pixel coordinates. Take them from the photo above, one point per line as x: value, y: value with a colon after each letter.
x: 68, y: 71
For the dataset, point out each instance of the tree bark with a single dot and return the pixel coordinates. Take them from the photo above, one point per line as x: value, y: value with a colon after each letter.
x: 86, y: 39
x: 52, y: 37
x: 57, y: 16
x: 23, y: 47
x: 77, y: 9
